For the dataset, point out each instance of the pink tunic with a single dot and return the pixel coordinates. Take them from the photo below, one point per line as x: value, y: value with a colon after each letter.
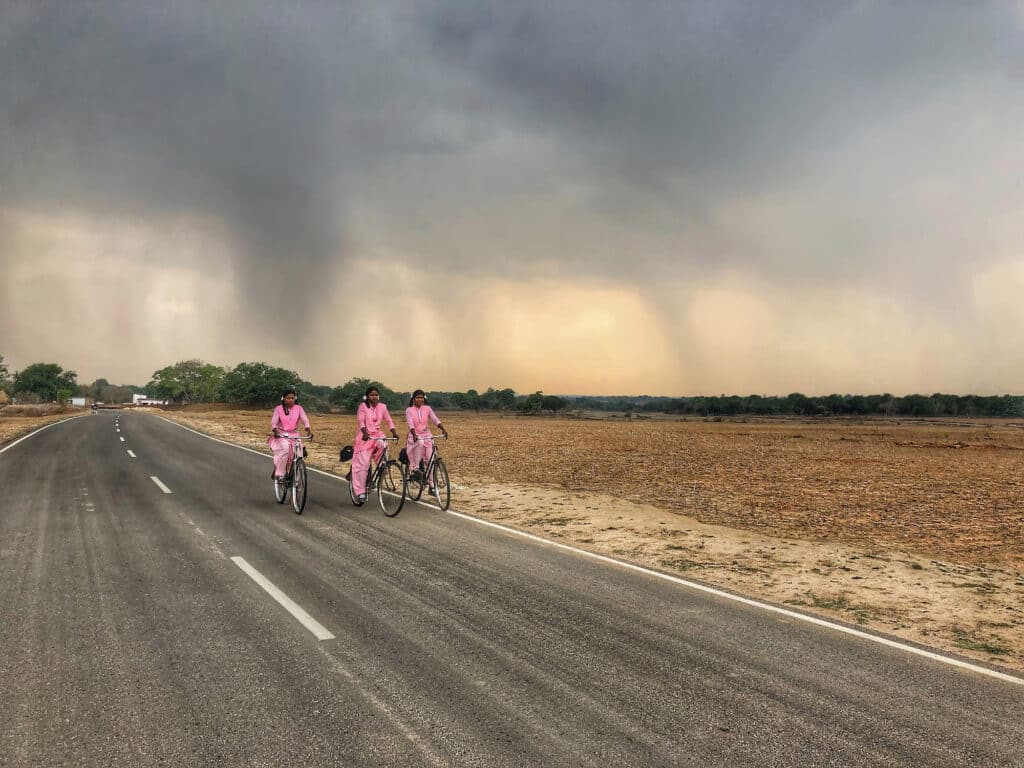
x: 288, y: 424
x: 371, y: 419
x: 419, y: 420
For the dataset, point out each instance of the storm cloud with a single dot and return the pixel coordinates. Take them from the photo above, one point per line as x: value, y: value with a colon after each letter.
x: 750, y: 196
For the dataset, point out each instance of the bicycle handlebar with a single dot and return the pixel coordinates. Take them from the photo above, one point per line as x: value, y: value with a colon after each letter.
x: 390, y: 439
x: 296, y: 437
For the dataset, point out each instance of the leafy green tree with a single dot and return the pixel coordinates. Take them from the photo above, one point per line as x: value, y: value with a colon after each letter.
x: 189, y: 381
x: 258, y: 384
x: 350, y: 394
x: 469, y: 400
x: 96, y: 391
x: 531, y: 403
x: 44, y: 381
x: 553, y: 403
x: 5, y: 377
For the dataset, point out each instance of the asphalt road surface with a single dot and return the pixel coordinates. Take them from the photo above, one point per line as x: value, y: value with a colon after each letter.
x: 134, y: 631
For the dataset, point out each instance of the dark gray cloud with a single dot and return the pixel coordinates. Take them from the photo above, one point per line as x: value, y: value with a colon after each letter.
x: 257, y: 113
x: 681, y: 108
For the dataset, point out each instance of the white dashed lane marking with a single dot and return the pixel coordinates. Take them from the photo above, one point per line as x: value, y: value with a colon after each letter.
x: 286, y: 602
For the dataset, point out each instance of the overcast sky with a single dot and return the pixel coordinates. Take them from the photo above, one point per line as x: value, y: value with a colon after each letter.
x: 583, y: 196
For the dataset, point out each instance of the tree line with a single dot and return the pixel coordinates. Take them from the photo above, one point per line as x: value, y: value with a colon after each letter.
x: 797, y: 404
x: 258, y: 384
x: 50, y: 383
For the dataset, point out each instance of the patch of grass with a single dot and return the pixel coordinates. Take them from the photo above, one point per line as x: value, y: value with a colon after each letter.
x: 981, y: 587
x: 862, y: 614
x: 839, y: 603
x: 965, y: 641
x: 681, y: 564
x: 559, y: 520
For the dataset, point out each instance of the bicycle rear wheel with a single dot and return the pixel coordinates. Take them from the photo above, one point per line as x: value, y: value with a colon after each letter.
x: 392, y: 487
x: 442, y: 488
x: 415, y: 489
x: 299, y: 486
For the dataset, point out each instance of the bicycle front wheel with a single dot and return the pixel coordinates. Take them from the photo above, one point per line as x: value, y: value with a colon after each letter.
x: 392, y: 487
x: 442, y: 488
x: 280, y: 490
x: 299, y: 486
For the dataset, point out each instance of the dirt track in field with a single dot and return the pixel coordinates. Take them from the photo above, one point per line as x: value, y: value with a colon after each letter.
x: 913, y: 529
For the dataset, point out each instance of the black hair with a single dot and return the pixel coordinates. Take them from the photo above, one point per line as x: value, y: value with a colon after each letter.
x: 418, y: 392
x: 285, y: 394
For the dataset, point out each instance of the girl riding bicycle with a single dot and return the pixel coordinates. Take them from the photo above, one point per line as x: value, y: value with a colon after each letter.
x: 369, y: 416
x: 418, y: 416
x: 285, y: 423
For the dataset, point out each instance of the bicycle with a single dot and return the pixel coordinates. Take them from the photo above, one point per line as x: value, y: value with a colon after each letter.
x: 389, y: 478
x: 295, y: 479
x: 435, y: 476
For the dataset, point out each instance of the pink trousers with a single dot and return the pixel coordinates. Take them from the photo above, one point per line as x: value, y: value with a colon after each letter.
x: 282, y: 448
x: 361, y: 465
x: 420, y: 450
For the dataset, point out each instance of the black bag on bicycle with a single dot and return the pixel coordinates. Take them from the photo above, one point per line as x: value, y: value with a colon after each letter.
x: 346, y: 453
x: 403, y: 456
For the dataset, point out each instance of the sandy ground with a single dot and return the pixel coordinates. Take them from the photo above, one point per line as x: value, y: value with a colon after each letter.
x: 912, y: 529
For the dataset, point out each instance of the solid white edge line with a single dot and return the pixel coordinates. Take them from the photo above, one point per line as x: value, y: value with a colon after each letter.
x: 131, y: 453
x: 37, y: 431
x: 286, y: 602
x: 159, y: 485
x: 683, y: 582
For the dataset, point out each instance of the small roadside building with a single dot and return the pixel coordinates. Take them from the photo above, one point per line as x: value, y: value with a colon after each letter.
x: 146, y: 400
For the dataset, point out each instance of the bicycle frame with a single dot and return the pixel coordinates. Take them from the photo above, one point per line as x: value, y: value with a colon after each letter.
x: 376, y: 481
x: 434, y: 455
x: 435, y: 474
x: 293, y: 480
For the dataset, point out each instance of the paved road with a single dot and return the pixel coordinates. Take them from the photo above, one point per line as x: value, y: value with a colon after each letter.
x: 129, y: 636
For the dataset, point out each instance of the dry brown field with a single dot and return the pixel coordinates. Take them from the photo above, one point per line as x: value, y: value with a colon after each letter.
x: 941, y: 489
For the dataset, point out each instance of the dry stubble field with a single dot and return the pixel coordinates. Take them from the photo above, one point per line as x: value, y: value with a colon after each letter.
x: 913, y: 529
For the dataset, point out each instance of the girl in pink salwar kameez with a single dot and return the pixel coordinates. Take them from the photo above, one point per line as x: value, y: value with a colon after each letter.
x: 369, y: 416
x: 418, y: 416
x: 284, y: 424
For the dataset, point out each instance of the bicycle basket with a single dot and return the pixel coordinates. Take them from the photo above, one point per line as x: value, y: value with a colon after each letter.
x: 346, y: 453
